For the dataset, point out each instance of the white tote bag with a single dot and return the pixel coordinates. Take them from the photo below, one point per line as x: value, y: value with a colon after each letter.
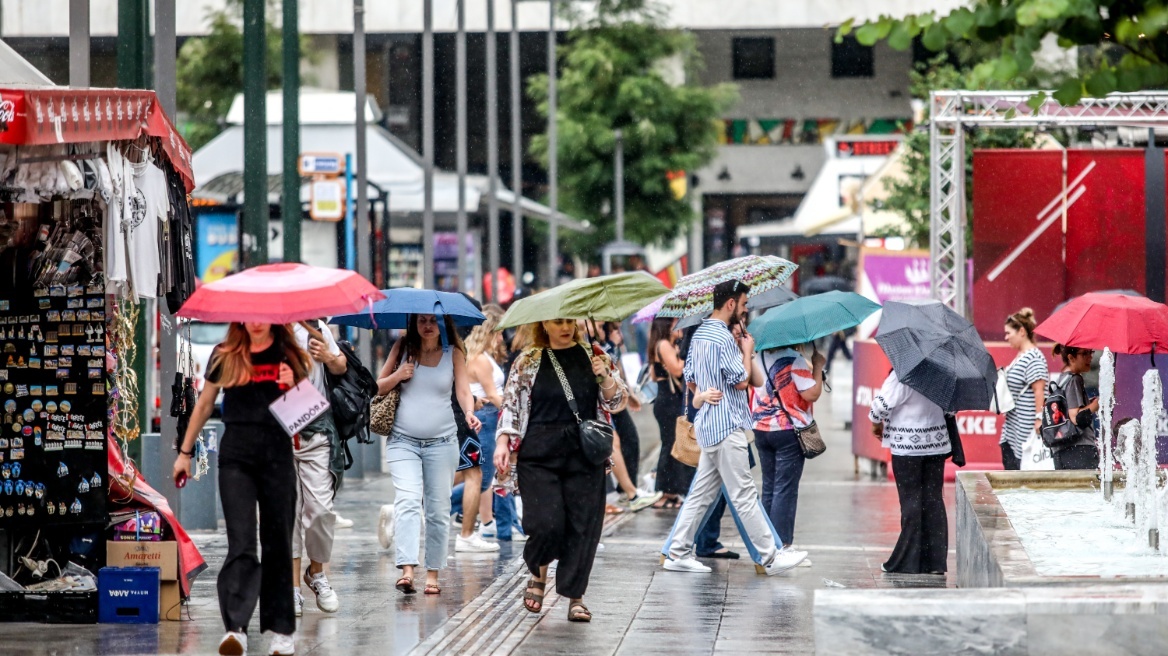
x: 1003, y: 400
x: 299, y: 407
x: 1036, y: 456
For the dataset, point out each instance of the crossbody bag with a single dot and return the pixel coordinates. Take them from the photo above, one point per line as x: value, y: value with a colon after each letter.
x: 595, y: 436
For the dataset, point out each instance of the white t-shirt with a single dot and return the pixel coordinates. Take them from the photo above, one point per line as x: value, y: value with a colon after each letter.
x: 117, y: 275
x: 146, y: 209
x: 316, y: 375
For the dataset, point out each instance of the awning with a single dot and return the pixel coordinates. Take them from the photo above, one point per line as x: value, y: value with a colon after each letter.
x: 15, y: 69
x: 51, y: 115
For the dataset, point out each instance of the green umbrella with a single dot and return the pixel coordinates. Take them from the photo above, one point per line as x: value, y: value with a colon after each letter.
x: 809, y: 318
x: 603, y: 298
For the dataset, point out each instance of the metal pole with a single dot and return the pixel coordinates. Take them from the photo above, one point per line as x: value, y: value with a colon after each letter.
x: 1155, y: 239
x: 516, y: 152
x: 253, y: 246
x: 428, y: 143
x: 553, y: 152
x: 619, y: 184
x: 165, y: 54
x: 364, y: 236
x: 492, y: 151
x: 460, y: 145
x: 79, y: 44
x: 697, y: 254
x: 290, y: 209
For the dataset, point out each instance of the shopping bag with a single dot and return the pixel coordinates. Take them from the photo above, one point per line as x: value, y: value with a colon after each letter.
x: 1036, y: 455
x: 299, y: 407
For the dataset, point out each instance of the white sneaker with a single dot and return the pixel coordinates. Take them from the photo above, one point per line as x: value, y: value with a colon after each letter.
x: 519, y: 536
x: 686, y: 565
x: 806, y: 563
x: 642, y: 500
x: 297, y: 602
x: 326, y: 597
x: 282, y: 645
x: 785, y: 560
x: 473, y: 544
x: 341, y: 522
x: 233, y: 643
x: 385, y: 525
x: 488, y: 530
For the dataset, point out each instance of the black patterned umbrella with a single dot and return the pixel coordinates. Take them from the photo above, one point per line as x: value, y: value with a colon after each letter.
x: 938, y: 353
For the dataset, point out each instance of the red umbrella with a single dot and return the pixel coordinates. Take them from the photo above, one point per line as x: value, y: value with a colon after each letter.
x: 1125, y: 324
x: 281, y: 293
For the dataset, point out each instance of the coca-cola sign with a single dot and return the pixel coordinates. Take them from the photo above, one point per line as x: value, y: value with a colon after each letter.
x: 7, y: 114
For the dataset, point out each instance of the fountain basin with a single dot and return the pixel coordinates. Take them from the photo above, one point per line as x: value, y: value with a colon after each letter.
x: 1022, y: 528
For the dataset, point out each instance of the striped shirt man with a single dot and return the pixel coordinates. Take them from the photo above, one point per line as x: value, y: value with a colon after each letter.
x: 714, y: 360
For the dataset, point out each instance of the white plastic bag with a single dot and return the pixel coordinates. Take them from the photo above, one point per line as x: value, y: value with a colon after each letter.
x: 1036, y: 456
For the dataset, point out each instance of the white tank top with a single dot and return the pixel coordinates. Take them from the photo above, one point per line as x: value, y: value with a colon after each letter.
x: 476, y: 389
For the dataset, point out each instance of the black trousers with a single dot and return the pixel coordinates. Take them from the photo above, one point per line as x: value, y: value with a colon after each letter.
x: 256, y: 468
x: 673, y: 477
x: 563, y: 505
x: 923, y: 545
x: 630, y: 441
x: 1082, y: 456
x: 1010, y: 462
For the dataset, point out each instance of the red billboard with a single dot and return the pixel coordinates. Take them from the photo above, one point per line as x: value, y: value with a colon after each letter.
x: 1051, y: 225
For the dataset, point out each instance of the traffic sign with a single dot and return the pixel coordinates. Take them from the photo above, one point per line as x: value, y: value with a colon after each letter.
x: 326, y: 164
x: 327, y: 202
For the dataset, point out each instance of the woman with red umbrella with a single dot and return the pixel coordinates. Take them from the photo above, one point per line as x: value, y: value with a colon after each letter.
x: 253, y: 366
x: 1084, y: 452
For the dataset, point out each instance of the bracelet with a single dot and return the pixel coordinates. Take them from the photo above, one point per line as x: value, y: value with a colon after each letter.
x: 610, y: 386
x: 189, y: 454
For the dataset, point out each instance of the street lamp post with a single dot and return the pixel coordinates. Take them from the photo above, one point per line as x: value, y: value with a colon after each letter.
x: 516, y: 151
x: 428, y: 143
x: 553, y: 153
x: 619, y: 186
x: 492, y: 152
x: 460, y: 142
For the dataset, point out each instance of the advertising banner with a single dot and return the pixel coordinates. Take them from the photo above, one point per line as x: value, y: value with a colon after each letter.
x: 1129, y: 393
x: 891, y: 276
x: 216, y: 245
x: 980, y: 430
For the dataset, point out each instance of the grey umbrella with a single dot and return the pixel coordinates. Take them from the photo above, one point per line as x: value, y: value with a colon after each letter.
x: 936, y: 352
x: 764, y: 301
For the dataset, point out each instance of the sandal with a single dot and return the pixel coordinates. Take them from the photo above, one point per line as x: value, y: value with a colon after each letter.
x: 537, y: 597
x: 610, y: 509
x: 406, y: 585
x: 578, y: 612
x: 432, y: 589
x: 672, y: 503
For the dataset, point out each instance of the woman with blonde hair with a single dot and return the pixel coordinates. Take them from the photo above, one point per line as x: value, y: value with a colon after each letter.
x: 1026, y: 377
x: 253, y: 366
x: 563, y: 491
x: 423, y: 449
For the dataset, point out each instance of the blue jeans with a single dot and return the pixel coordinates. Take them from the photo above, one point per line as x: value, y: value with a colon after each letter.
x: 489, y: 415
x: 423, y: 473
x: 782, y: 466
x: 706, y: 541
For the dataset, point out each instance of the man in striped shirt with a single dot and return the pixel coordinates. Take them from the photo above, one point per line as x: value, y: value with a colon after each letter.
x: 717, y: 370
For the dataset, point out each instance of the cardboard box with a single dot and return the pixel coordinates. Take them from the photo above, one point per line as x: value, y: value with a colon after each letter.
x: 169, y: 602
x: 163, y: 555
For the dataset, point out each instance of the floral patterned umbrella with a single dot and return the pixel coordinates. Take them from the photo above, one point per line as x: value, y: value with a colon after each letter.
x: 694, y: 294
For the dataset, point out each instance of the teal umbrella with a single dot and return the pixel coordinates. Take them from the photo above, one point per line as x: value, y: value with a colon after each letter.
x: 809, y: 318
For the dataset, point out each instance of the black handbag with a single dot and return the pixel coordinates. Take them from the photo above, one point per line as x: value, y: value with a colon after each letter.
x: 956, y: 451
x: 595, y: 436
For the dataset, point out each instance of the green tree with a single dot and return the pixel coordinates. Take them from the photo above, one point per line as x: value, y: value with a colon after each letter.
x: 1123, y: 44
x: 611, y: 78
x: 210, y: 69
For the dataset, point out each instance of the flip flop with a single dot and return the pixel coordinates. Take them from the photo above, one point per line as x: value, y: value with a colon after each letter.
x: 528, y: 595
x: 406, y: 585
x: 432, y: 589
x: 610, y: 509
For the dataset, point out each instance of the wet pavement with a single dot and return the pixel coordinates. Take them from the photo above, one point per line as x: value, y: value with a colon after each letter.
x: 848, y: 525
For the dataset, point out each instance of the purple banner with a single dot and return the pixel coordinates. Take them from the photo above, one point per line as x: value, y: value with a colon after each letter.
x: 891, y: 276
x: 1129, y: 391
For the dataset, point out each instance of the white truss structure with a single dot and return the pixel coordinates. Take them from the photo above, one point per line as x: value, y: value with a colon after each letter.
x: 952, y: 111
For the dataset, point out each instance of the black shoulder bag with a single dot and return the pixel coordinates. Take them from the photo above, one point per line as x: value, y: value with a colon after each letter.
x: 595, y: 436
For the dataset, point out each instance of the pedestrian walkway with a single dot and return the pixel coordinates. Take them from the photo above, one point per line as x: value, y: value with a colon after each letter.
x: 848, y: 526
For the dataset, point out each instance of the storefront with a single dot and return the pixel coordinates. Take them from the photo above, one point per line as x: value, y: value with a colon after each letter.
x: 93, y: 220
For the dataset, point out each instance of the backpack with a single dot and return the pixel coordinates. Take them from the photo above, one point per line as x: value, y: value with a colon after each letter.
x: 349, y: 396
x: 1057, y: 429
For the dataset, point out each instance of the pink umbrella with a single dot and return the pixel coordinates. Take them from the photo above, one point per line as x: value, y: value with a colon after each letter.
x: 649, y: 312
x: 281, y: 293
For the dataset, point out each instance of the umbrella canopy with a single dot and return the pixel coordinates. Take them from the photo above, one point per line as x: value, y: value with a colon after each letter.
x: 936, y: 352
x: 1121, y: 292
x: 764, y: 301
x: 825, y: 284
x: 603, y: 298
x: 809, y: 318
x: 694, y: 294
x: 393, y: 312
x: 649, y: 312
x: 280, y: 293
x: 1124, y: 324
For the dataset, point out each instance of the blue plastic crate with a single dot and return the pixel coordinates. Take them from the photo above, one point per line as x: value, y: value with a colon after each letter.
x: 128, y: 595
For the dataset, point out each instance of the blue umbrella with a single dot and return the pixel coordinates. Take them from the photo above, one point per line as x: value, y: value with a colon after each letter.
x: 808, y: 318
x: 400, y: 303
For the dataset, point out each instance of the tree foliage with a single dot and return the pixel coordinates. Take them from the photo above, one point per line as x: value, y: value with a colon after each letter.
x: 611, y: 78
x: 210, y: 69
x: 1123, y: 43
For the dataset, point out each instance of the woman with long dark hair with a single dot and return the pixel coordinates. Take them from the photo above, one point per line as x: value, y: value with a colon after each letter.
x: 253, y: 366
x: 1084, y: 452
x: 563, y: 510
x: 673, y: 477
x: 423, y: 450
